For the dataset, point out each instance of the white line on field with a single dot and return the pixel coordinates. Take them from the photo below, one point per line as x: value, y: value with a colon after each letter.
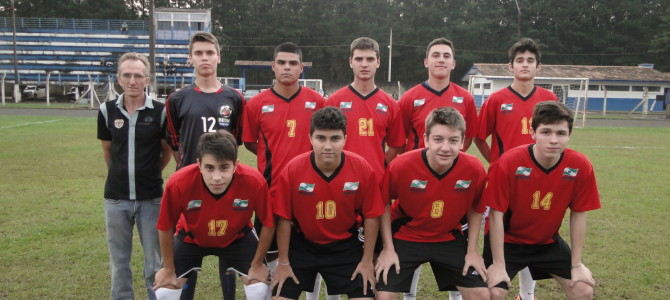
x: 617, y: 147
x: 26, y: 124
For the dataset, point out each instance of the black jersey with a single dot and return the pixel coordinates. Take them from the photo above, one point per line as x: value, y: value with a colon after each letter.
x: 192, y: 112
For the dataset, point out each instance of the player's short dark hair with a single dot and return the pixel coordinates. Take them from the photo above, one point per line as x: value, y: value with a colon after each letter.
x: 445, y: 115
x: 134, y: 56
x: 551, y: 112
x: 364, y: 43
x: 328, y: 118
x: 288, y: 47
x: 440, y: 41
x: 523, y: 45
x: 204, y: 37
x: 220, y: 144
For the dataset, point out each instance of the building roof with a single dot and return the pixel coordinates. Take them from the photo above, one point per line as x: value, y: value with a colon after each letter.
x: 594, y: 73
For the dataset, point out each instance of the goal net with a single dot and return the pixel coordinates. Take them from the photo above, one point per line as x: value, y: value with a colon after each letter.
x: 571, y: 91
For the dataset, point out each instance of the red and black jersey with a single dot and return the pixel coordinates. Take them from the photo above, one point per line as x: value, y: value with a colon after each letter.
x: 535, y: 199
x: 507, y: 116
x: 213, y: 221
x: 372, y: 121
x: 429, y: 205
x: 324, y: 208
x: 417, y: 103
x: 192, y: 112
x: 280, y: 126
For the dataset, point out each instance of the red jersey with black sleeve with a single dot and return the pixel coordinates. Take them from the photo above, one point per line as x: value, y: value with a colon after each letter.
x: 280, y: 126
x: 507, y: 116
x: 214, y: 221
x: 372, y: 121
x: 417, y: 103
x: 325, y: 208
x: 192, y: 112
x: 535, y: 199
x: 432, y: 205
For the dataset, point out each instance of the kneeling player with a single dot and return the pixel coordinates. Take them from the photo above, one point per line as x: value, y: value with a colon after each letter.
x: 217, y: 197
x: 434, y: 187
x: 529, y: 190
x: 317, y: 198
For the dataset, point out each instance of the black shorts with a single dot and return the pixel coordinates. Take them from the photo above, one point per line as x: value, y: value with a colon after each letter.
x: 335, y: 262
x: 446, y: 259
x: 237, y: 256
x: 542, y: 260
x: 259, y: 226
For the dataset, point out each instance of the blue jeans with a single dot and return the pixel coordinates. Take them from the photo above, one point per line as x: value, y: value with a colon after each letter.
x: 120, y: 218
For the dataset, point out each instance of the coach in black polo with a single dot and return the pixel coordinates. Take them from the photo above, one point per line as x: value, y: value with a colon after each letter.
x: 132, y: 131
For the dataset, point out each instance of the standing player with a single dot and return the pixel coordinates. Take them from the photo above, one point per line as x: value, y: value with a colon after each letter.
x: 131, y: 129
x: 205, y: 106
x: 317, y: 199
x: 436, y: 92
x: 217, y: 198
x: 529, y: 190
x: 506, y: 116
x: 373, y: 118
x: 434, y: 188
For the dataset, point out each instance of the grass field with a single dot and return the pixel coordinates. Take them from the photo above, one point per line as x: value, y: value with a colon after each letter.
x: 52, y: 236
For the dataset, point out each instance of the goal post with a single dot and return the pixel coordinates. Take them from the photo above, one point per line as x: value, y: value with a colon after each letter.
x: 573, y: 92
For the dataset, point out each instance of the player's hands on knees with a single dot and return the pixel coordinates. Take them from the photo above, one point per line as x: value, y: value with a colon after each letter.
x: 282, y: 272
x: 496, y: 274
x: 475, y: 260
x: 165, y: 278
x: 387, y: 259
x: 367, y: 271
x: 583, y: 274
x: 258, y: 273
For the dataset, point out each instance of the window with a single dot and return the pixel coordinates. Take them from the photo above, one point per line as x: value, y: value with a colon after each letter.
x: 477, y: 85
x: 197, y: 26
x: 487, y: 86
x: 638, y: 88
x: 164, y: 25
x: 181, y: 26
x: 575, y: 87
x: 617, y: 88
x: 594, y: 87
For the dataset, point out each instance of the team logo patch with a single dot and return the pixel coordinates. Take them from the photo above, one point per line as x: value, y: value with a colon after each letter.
x: 569, y: 173
x: 350, y: 187
x: 463, y: 184
x: 194, y: 205
x: 239, y: 204
x: 419, y: 185
x: 310, y: 105
x: 118, y: 123
x: 148, y: 119
x: 382, y: 108
x: 225, y: 111
x: 345, y: 105
x: 306, y: 188
x: 267, y: 108
x: 419, y: 102
x: 523, y: 172
x: 506, y: 107
x: 457, y: 99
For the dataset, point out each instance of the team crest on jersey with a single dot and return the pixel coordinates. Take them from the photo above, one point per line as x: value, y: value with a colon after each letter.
x: 418, y: 185
x: 382, y: 108
x: 118, y: 123
x: 310, y: 105
x: 194, y: 205
x: 345, y: 105
x: 350, y: 187
x: 306, y: 188
x: 570, y: 174
x: 267, y: 108
x: 225, y: 112
x: 458, y: 100
x: 419, y: 102
x: 462, y: 185
x: 239, y: 204
x: 523, y: 172
x: 506, y: 107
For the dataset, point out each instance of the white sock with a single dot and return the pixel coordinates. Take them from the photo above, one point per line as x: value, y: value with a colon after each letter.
x: 332, y: 297
x: 256, y: 291
x: 415, y: 285
x: 455, y: 295
x: 314, y: 295
x: 272, y: 265
x: 526, y: 285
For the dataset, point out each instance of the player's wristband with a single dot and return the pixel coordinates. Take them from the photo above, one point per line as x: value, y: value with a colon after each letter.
x: 284, y: 264
x: 577, y: 266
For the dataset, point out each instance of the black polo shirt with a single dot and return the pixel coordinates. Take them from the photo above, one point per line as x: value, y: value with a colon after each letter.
x: 134, y: 170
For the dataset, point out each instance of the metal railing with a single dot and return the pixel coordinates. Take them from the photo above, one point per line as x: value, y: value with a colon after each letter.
x: 74, y: 24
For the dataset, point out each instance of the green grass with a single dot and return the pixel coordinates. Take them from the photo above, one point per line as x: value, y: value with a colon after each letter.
x: 52, y: 235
